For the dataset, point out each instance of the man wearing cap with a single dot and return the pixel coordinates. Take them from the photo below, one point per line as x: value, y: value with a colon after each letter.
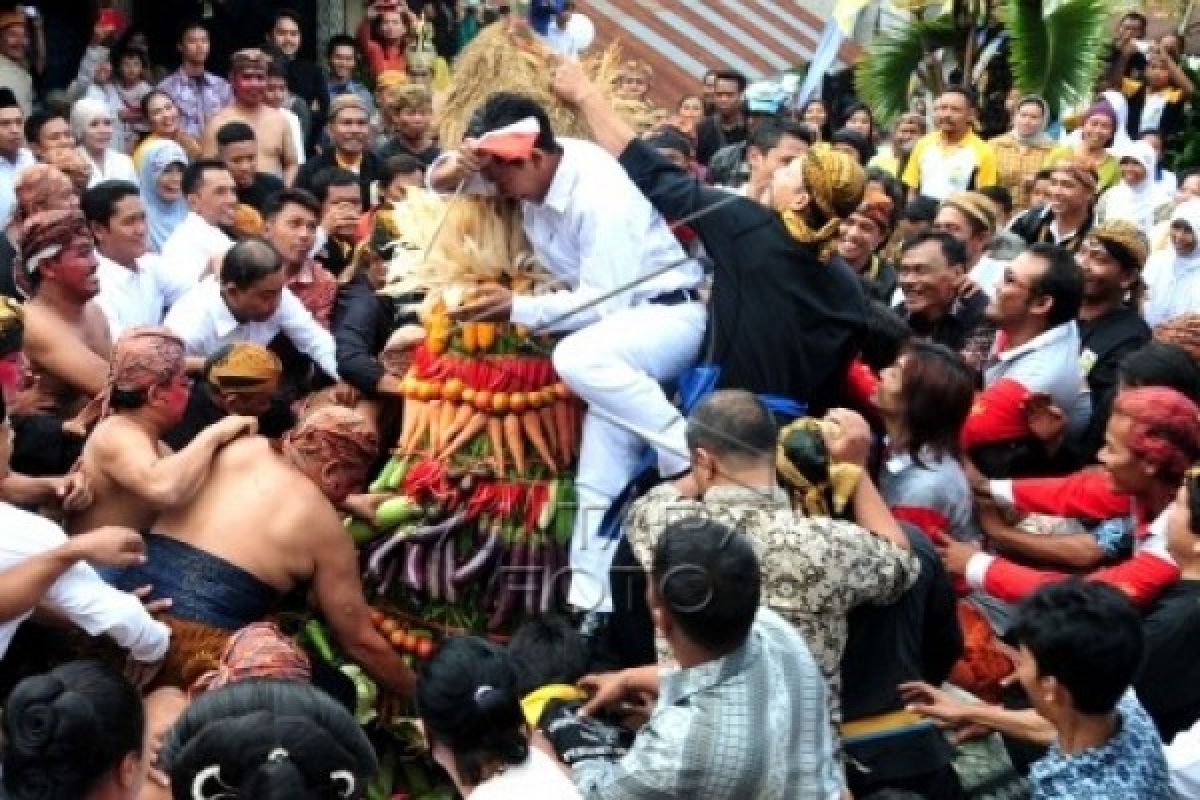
x: 66, y: 333
x: 14, y: 71
x: 132, y: 477
x: 239, y: 379
x: 860, y: 238
x: 1066, y: 219
x: 14, y: 156
x: 248, y: 79
x: 350, y: 130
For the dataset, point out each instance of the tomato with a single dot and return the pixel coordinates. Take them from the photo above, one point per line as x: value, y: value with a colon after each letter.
x: 377, y: 617
x: 427, y: 390
x: 468, y: 396
x: 518, y: 402
x: 452, y: 390
x: 387, y: 626
x: 398, y: 638
x: 483, y: 401
x: 500, y: 402
x: 424, y: 647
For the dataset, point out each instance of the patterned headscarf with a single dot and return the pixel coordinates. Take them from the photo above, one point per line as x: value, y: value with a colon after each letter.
x: 819, y: 487
x: 877, y: 207
x: 975, y: 206
x: 162, y: 217
x: 834, y: 182
x: 1182, y: 331
x: 248, y: 58
x: 332, y: 435
x: 244, y: 367
x: 1080, y: 172
x: 259, y: 650
x: 145, y: 357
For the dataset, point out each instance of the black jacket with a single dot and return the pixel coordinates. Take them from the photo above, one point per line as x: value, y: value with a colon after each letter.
x: 362, y: 322
x: 780, y: 321
x: 367, y: 174
x: 711, y: 137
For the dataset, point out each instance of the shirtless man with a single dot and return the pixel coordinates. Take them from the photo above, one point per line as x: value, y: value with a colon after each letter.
x: 248, y: 78
x: 66, y: 333
x: 263, y: 523
x: 132, y: 475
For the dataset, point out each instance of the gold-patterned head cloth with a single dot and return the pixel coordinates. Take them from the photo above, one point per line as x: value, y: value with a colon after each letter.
x: 975, y: 206
x: 1124, y: 241
x: 834, y: 182
x: 244, y: 368
x: 12, y: 325
x: 819, y: 487
x: 247, y: 221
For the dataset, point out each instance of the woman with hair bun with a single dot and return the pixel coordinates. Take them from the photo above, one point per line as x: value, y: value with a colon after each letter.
x: 74, y: 733
x: 467, y: 698
x: 265, y: 739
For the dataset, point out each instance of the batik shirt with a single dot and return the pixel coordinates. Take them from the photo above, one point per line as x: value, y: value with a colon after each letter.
x: 748, y: 725
x: 814, y: 569
x: 1129, y: 765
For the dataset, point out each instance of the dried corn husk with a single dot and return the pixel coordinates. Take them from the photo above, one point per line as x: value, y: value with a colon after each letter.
x: 505, y: 57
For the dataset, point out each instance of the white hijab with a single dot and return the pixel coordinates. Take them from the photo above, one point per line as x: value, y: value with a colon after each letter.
x: 1171, y: 278
x: 1136, y: 203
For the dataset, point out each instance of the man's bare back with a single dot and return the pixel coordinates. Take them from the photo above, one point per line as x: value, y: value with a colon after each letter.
x: 69, y: 358
x: 276, y: 150
x: 257, y: 512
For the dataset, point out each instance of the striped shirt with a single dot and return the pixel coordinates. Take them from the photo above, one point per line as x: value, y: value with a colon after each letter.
x: 753, y: 724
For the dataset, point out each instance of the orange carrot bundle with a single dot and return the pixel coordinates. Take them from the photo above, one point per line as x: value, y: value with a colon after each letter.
x: 532, y: 425
x: 496, y: 435
x: 516, y: 444
x: 472, y: 429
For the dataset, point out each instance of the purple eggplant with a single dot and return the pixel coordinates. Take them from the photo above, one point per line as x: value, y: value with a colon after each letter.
x: 511, y: 570
x: 534, y: 571
x: 474, y: 565
x: 550, y: 569
x: 448, y: 583
x: 414, y: 559
x: 389, y: 576
x: 429, y: 533
x: 433, y: 571
x: 376, y: 563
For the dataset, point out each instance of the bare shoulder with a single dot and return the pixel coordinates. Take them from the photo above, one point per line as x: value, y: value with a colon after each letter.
x: 115, y: 433
x: 246, y: 450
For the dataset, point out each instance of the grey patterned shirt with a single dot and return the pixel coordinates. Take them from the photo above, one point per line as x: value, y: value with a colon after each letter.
x: 751, y: 725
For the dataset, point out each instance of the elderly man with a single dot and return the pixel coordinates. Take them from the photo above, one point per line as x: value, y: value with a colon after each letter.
x: 814, y: 570
x: 248, y: 78
x: 263, y: 523
x: 932, y: 269
x: 66, y: 333
x: 350, y: 130
x: 132, y: 478
x: 240, y: 379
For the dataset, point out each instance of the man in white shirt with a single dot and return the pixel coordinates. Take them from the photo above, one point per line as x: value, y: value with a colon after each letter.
x: 248, y: 304
x: 14, y: 156
x: 570, y: 32
x: 136, y: 287
x: 40, y: 566
x: 198, y: 241
x: 630, y: 304
x: 14, y: 71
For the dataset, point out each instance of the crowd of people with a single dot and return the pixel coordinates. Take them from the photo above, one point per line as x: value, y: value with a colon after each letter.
x: 890, y: 473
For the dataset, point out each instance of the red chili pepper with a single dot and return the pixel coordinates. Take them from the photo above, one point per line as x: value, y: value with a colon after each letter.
x: 535, y: 500
x: 482, y: 501
x: 424, y: 477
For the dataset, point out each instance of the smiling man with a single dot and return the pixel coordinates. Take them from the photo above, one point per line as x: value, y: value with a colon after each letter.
x: 199, y: 239
x: 1067, y: 217
x: 291, y: 217
x: 350, y: 130
x: 932, y: 268
x: 860, y: 239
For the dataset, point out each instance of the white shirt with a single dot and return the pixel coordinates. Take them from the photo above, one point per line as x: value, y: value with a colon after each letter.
x: 79, y: 593
x: 9, y: 170
x: 572, y: 40
x: 537, y: 777
x: 192, y: 245
x: 1049, y: 362
x: 204, y: 322
x: 116, y: 167
x: 138, y: 296
x: 597, y: 233
x: 297, y: 136
x: 1183, y: 763
x: 1172, y: 286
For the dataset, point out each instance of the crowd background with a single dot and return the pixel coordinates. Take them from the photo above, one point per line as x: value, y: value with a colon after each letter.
x: 969, y: 569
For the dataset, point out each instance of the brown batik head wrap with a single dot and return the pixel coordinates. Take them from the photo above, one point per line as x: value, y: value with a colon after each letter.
x: 244, y: 367
x: 44, y: 236
x: 259, y: 650
x: 38, y: 187
x: 331, y: 436
x: 143, y: 358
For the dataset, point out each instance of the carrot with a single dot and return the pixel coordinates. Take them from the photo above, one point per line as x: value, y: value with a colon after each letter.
x: 420, y: 413
x: 462, y: 415
x: 496, y: 435
x: 435, y: 423
x: 546, y: 416
x: 532, y: 424
x: 448, y: 415
x: 473, y: 428
x: 565, y: 431
x: 516, y: 444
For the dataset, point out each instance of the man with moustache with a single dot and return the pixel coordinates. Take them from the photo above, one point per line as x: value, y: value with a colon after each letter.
x: 248, y: 79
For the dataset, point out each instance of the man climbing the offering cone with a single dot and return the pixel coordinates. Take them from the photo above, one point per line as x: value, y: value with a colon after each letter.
x: 629, y: 308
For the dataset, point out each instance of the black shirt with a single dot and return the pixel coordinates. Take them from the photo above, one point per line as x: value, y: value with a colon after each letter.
x: 362, y: 322
x: 1034, y: 226
x: 203, y: 411
x: 1169, y: 682
x: 8, y: 267
x: 780, y: 321
x: 711, y: 137
x: 966, y: 317
x: 368, y: 171
x: 397, y: 146
x: 1103, y: 343
x: 264, y: 185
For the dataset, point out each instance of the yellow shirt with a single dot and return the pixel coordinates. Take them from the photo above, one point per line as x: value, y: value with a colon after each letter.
x: 938, y: 168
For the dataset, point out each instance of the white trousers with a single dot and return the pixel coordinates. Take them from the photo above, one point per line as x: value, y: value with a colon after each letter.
x: 617, y: 366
